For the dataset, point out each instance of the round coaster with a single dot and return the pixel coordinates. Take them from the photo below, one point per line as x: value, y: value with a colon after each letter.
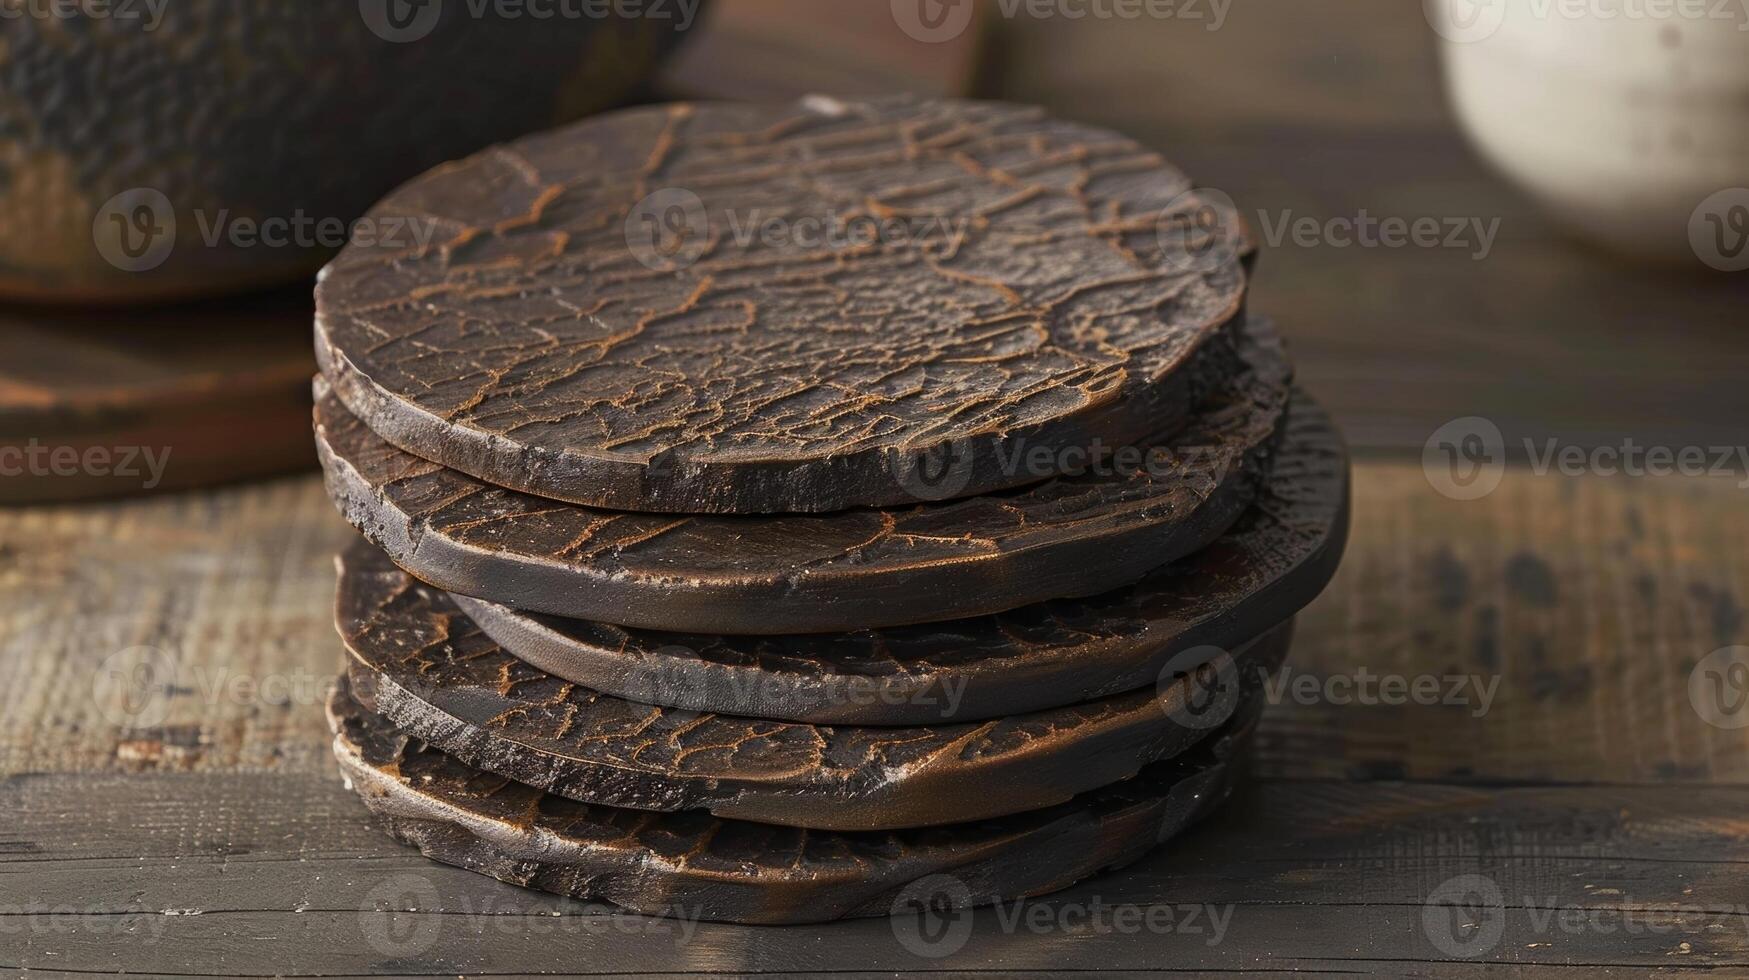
x: 419, y: 662
x: 1274, y: 560
x: 99, y: 403
x: 695, y: 865
x: 813, y: 573
x: 751, y: 309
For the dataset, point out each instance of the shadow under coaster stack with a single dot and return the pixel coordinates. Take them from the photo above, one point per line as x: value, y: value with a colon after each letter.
x: 776, y: 511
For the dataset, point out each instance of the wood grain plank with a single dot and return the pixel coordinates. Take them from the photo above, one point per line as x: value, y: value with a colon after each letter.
x: 233, y: 588
x: 1586, y: 601
x: 255, y: 874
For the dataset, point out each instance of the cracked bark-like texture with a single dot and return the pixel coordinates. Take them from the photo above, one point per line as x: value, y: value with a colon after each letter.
x: 695, y: 865
x: 806, y: 573
x: 257, y: 111
x: 1274, y: 560
x: 417, y: 660
x: 724, y: 308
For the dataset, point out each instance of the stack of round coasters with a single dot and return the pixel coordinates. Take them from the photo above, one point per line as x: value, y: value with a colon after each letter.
x: 766, y: 509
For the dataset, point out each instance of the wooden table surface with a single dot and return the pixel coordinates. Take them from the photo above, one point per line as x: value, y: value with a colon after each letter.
x: 1562, y: 802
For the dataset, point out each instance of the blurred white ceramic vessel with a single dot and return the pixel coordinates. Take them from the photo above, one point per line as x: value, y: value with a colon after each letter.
x: 1626, y: 119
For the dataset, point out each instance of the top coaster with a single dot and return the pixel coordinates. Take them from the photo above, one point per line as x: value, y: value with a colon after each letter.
x: 743, y: 309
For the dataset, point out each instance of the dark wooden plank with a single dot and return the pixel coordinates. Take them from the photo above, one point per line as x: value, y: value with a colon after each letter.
x: 256, y: 874
x: 1585, y: 604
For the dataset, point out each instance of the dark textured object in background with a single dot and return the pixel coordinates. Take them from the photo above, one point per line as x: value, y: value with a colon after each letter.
x: 1273, y: 561
x: 229, y: 112
x: 809, y: 573
x: 418, y: 661
x: 101, y: 403
x: 607, y: 318
x: 698, y: 866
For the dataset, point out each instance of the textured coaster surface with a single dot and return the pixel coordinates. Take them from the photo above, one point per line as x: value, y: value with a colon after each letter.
x: 732, y: 308
x: 1073, y: 536
x: 1276, y: 558
x: 420, y: 663
x: 699, y: 866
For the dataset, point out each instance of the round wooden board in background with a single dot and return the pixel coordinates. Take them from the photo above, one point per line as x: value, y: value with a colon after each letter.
x: 702, y: 867
x: 102, y: 403
x: 417, y: 660
x: 1276, y: 558
x: 753, y: 309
